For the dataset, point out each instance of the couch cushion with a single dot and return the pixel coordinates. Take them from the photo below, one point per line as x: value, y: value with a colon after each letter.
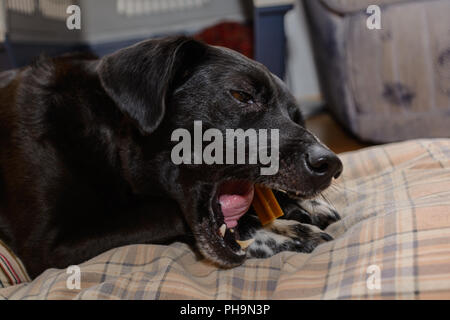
x: 350, y: 6
x: 390, y: 84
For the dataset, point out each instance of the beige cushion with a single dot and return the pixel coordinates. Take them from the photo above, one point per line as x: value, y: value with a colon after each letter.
x: 350, y: 6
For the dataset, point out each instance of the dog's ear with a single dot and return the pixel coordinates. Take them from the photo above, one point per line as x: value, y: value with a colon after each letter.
x: 140, y: 78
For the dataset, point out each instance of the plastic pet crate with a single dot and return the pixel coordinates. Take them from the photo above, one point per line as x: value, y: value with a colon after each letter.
x: 34, y: 26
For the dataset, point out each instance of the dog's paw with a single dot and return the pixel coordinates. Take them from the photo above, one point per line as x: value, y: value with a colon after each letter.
x: 313, y: 211
x: 322, y: 213
x: 285, y: 235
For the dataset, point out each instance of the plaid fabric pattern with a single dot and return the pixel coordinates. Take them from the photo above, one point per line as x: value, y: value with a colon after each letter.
x: 12, y: 271
x: 395, y: 204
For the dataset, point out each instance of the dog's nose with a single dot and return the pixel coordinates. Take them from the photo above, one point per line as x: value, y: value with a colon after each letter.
x: 323, y: 163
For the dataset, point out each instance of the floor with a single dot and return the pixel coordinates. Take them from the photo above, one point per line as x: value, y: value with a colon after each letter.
x: 333, y: 134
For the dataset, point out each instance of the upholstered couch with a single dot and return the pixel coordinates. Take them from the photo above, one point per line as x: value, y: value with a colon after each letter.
x: 389, y: 84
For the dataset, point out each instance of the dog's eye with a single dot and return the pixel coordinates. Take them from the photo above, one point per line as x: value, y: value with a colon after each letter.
x: 242, y: 96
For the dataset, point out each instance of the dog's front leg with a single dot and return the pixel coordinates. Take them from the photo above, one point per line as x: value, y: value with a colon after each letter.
x: 280, y: 235
x: 317, y: 212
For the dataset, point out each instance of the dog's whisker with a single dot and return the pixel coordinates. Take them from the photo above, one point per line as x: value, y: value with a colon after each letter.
x: 340, y: 188
x: 327, y: 201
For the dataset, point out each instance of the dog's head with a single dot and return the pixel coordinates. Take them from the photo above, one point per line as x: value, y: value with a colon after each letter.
x: 178, y: 83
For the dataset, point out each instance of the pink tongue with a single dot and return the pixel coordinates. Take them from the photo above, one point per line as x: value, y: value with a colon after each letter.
x: 235, y: 201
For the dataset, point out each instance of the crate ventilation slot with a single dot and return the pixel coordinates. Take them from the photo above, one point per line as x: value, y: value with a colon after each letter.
x: 54, y: 9
x: 132, y: 8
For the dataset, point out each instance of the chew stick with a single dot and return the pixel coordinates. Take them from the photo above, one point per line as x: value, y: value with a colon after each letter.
x: 266, y: 205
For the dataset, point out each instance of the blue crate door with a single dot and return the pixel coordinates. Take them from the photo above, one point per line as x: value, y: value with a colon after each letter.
x: 270, y: 38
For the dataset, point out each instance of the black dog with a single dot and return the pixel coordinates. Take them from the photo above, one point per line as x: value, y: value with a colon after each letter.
x: 85, y: 156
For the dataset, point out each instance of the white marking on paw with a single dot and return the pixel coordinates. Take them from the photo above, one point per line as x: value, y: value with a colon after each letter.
x: 316, y: 207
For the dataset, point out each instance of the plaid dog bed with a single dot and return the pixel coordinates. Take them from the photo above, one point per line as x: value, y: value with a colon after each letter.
x: 393, y: 242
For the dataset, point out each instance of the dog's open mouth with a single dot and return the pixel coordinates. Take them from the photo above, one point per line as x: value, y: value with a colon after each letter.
x: 235, y: 198
x: 218, y: 234
x: 232, y: 199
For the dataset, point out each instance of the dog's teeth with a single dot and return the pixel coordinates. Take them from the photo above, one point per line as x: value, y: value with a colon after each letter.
x: 281, y: 190
x: 245, y: 244
x: 222, y: 230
